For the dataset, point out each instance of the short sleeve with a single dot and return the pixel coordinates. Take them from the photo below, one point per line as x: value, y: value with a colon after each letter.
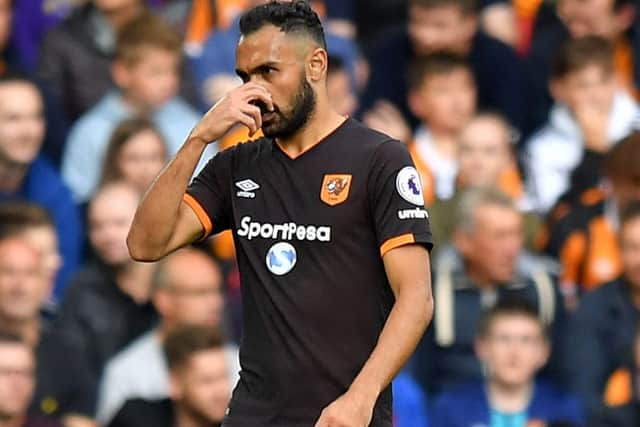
x: 209, y: 194
x: 396, y: 199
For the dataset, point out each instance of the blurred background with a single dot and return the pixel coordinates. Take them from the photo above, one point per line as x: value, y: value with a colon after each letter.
x: 521, y: 117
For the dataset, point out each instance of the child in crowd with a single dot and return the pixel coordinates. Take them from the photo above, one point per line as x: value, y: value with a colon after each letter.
x: 513, y: 346
x: 146, y: 71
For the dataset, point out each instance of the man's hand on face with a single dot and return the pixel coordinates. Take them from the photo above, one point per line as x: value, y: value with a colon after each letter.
x: 240, y: 106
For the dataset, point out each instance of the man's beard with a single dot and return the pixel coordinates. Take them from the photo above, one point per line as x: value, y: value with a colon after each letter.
x: 286, y: 125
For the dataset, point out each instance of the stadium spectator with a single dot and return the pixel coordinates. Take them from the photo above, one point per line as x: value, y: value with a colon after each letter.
x: 146, y: 70
x: 17, y: 383
x: 601, y: 336
x: 340, y: 90
x: 186, y: 291
x: 513, y: 347
x: 25, y: 174
x: 33, y: 223
x: 584, y: 237
x: 611, y: 19
x: 136, y: 154
x: 107, y: 305
x: 486, y: 264
x: 442, y: 94
x: 589, y: 114
x: 64, y: 386
x: 75, y: 56
x: 485, y: 158
x: 199, y: 385
x: 452, y: 26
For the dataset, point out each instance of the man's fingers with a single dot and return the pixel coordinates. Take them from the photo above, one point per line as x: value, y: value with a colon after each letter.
x: 257, y: 93
x: 248, y: 121
x: 254, y: 112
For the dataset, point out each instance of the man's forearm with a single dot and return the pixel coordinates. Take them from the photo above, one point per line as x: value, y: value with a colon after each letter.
x: 157, y: 215
x: 403, y: 330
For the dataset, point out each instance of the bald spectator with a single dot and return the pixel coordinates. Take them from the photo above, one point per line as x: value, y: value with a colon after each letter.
x: 186, y: 291
x: 64, y: 386
x: 24, y: 174
x: 199, y: 385
x: 485, y: 265
x: 17, y: 383
x: 107, y: 304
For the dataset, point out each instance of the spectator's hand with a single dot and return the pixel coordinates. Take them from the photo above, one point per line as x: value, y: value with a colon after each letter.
x: 349, y: 410
x: 594, y: 123
x: 239, y: 106
x: 386, y: 118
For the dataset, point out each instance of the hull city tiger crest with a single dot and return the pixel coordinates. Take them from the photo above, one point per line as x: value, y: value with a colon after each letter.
x: 335, y: 189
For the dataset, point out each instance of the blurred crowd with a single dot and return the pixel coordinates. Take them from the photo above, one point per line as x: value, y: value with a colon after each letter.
x: 521, y: 116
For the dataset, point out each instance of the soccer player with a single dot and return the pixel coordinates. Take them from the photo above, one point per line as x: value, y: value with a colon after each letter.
x: 331, y: 234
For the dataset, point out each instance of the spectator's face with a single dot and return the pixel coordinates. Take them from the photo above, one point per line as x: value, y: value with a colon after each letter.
x: 16, y: 379
x: 590, y: 87
x: 152, y: 80
x: 45, y: 240
x: 193, y: 296
x: 445, y: 101
x: 594, y: 17
x: 630, y: 245
x: 340, y: 92
x: 141, y: 158
x: 21, y: 123
x: 5, y: 22
x: 110, y: 216
x: 513, y: 351
x: 202, y: 387
x: 442, y: 28
x: 23, y: 288
x: 484, y: 153
x: 492, y: 245
x: 288, y: 68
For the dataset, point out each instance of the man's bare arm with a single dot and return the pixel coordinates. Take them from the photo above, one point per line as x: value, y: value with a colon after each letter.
x: 164, y: 222
x: 409, y: 274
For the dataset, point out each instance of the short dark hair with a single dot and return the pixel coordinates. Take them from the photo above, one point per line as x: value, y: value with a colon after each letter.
x: 509, y: 307
x: 435, y: 64
x: 622, y: 162
x: 468, y: 7
x: 577, y: 54
x: 146, y: 30
x: 290, y: 17
x: 184, y: 342
x: 17, y: 217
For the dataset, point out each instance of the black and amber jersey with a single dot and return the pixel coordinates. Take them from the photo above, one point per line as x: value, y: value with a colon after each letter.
x: 310, y: 233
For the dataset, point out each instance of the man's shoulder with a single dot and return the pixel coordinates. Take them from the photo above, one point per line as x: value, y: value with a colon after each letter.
x: 47, y: 184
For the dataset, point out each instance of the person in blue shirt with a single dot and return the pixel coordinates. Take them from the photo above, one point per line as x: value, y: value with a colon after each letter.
x: 146, y: 70
x: 512, y: 346
x: 409, y: 402
x: 25, y: 174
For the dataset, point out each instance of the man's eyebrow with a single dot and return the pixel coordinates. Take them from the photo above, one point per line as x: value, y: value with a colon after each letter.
x: 242, y: 73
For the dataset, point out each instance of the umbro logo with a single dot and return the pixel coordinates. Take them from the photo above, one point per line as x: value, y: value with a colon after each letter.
x: 247, y: 188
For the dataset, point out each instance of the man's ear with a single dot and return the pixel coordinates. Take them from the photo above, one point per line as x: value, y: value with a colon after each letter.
x: 625, y: 16
x: 120, y: 74
x: 175, y: 390
x: 556, y: 88
x: 317, y: 65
